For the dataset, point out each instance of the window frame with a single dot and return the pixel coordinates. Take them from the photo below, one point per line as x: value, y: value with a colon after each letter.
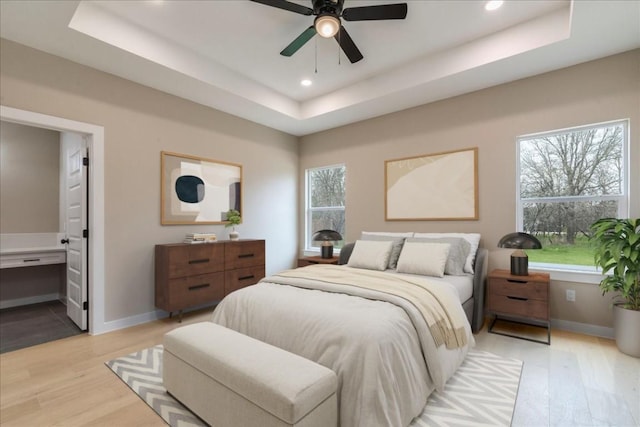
x: 571, y: 271
x: 308, y: 247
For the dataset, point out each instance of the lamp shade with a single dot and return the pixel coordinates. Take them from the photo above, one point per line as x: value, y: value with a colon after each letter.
x: 326, y: 237
x: 519, y: 259
x: 519, y: 241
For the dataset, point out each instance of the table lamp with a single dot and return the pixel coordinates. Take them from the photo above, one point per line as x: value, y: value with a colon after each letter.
x: 519, y: 259
x: 327, y: 237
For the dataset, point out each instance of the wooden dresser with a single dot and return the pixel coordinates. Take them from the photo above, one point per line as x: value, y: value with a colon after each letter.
x: 189, y: 275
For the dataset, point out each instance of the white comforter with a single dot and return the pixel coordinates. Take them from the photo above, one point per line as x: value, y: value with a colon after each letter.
x: 386, y: 362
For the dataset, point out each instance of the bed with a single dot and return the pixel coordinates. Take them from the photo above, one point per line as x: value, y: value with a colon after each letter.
x: 371, y: 322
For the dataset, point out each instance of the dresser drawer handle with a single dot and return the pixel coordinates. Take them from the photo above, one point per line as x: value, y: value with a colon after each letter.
x: 518, y: 298
x: 246, y: 256
x: 246, y: 277
x: 516, y: 281
x: 194, y: 287
x: 198, y: 261
x: 31, y: 260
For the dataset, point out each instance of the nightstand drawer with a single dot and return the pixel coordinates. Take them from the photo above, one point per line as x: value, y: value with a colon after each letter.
x: 518, y: 306
x: 519, y: 288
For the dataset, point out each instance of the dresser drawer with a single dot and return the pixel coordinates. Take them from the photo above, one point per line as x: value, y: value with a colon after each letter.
x: 518, y: 306
x: 195, y: 259
x: 242, y: 277
x: 194, y: 290
x: 519, y: 288
x: 244, y: 254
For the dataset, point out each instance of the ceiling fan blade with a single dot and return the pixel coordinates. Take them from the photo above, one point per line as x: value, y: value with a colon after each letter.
x: 375, y: 13
x: 286, y: 5
x: 348, y: 46
x: 299, y: 41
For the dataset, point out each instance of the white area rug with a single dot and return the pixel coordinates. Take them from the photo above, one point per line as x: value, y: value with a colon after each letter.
x: 481, y: 393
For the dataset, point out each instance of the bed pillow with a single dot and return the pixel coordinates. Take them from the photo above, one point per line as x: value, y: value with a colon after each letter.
x: 396, y: 247
x: 425, y: 258
x: 370, y: 254
x: 472, y: 238
x: 458, y: 253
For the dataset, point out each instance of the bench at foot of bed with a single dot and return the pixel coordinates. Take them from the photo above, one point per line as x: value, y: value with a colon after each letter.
x: 229, y: 380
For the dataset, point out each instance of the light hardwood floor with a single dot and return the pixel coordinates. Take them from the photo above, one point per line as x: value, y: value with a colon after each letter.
x: 577, y: 381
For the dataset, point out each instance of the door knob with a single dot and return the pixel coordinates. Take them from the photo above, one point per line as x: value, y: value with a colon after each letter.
x: 63, y: 241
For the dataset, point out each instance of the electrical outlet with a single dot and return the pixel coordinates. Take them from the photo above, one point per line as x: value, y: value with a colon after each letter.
x: 571, y: 295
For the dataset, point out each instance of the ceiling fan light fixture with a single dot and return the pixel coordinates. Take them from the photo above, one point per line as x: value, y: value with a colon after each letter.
x: 327, y: 25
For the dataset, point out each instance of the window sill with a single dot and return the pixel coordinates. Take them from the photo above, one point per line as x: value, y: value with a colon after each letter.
x: 568, y: 273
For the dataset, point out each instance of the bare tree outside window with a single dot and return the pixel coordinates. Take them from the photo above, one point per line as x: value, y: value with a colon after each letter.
x: 325, y: 201
x: 568, y: 180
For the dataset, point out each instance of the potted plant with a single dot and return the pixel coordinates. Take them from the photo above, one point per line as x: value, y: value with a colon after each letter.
x: 233, y: 219
x: 617, y: 252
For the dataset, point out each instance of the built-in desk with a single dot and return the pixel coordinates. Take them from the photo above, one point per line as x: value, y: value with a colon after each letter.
x: 30, y: 249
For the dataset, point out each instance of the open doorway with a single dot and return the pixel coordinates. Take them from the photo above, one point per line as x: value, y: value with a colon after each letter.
x: 94, y: 137
x: 43, y: 211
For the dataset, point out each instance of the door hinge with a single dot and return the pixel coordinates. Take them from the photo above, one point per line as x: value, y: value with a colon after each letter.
x: 85, y: 233
x: 85, y: 161
x: 85, y: 305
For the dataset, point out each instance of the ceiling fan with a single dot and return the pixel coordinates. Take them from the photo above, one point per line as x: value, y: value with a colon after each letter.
x: 327, y: 22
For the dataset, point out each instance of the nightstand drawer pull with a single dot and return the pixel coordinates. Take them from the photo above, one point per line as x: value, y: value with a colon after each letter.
x: 246, y: 255
x: 194, y: 287
x: 31, y: 260
x: 518, y: 298
x: 198, y: 261
x: 516, y: 281
x: 246, y: 277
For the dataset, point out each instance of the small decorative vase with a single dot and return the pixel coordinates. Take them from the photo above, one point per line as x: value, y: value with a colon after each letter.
x: 234, y: 235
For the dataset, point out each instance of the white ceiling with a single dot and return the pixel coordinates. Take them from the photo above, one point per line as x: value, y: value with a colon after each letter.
x: 225, y: 53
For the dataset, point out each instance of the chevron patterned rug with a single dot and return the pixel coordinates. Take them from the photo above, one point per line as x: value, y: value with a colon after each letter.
x: 481, y: 393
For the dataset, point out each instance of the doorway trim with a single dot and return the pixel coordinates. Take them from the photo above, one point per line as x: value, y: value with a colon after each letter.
x: 95, y: 204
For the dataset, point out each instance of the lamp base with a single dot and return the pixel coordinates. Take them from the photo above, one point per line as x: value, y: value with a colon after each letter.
x: 520, y: 264
x: 326, y: 251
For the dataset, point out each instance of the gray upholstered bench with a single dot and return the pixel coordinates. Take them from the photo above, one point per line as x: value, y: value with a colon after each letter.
x: 231, y: 380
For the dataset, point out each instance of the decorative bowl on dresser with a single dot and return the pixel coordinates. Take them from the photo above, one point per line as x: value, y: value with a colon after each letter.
x: 189, y: 275
x: 519, y: 299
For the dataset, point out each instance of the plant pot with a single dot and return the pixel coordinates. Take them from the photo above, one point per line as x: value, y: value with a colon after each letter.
x: 234, y: 235
x: 626, y: 325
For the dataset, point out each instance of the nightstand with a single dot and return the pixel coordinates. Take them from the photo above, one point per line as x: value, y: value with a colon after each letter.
x: 525, y: 298
x: 310, y: 260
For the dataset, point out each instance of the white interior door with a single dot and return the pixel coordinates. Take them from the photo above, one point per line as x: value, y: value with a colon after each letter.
x: 76, y: 224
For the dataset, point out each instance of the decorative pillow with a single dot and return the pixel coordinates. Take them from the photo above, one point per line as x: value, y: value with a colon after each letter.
x: 472, y: 238
x: 458, y: 253
x: 396, y: 247
x: 370, y: 255
x: 423, y: 258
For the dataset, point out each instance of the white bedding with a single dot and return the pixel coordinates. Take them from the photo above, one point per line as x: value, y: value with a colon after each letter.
x: 463, y: 284
x: 386, y: 361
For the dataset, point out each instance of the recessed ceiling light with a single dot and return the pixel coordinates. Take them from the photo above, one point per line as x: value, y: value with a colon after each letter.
x: 306, y: 82
x: 493, y: 4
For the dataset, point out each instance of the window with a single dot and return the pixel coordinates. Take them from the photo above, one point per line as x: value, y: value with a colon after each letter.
x: 567, y: 180
x: 325, y: 202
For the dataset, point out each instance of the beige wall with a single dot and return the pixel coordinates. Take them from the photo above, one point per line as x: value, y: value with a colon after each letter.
x: 29, y: 177
x: 139, y: 122
x: 490, y: 119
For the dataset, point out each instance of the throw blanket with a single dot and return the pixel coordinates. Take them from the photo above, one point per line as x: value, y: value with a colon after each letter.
x: 379, y: 344
x: 430, y: 298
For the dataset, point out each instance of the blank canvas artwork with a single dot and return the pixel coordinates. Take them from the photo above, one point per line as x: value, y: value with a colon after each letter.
x: 440, y: 186
x: 198, y: 191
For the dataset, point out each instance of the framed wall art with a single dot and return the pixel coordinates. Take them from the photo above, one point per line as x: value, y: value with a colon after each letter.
x: 195, y: 190
x: 441, y: 186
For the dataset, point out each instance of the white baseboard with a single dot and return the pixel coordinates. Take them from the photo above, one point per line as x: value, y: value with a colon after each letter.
x: 582, y: 328
x: 127, y: 322
x: 29, y: 300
